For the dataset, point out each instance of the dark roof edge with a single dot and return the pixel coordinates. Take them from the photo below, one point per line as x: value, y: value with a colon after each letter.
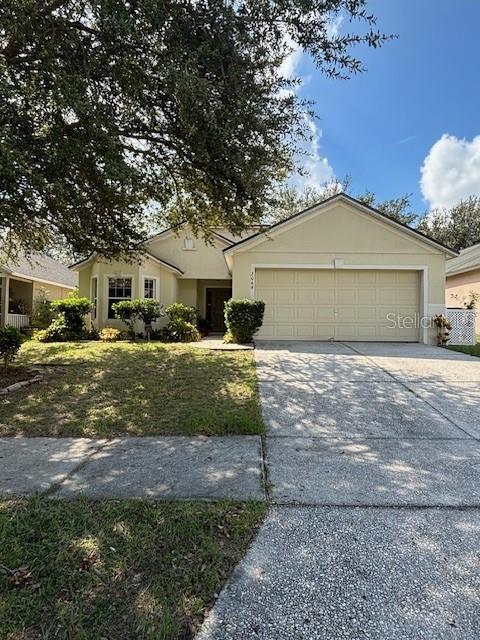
x: 355, y: 201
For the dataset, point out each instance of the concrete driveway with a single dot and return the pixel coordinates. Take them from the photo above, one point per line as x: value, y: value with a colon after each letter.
x: 373, y: 463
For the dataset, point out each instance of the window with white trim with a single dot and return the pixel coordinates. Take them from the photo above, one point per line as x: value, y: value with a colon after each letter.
x: 149, y: 288
x: 94, y: 296
x: 118, y: 289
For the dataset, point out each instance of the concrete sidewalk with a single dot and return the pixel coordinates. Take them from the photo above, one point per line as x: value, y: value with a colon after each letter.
x: 168, y: 468
x: 373, y: 459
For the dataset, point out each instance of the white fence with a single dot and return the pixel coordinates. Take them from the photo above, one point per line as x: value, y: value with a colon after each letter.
x: 463, y: 326
x: 18, y: 320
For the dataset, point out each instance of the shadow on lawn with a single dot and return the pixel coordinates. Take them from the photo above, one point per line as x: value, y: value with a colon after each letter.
x: 116, y: 569
x: 139, y: 389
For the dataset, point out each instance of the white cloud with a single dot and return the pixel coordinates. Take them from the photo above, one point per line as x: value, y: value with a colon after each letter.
x: 290, y: 65
x: 317, y: 167
x: 451, y: 171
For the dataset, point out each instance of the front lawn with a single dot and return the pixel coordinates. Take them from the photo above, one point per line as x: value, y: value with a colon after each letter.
x: 473, y: 350
x: 95, y: 389
x: 116, y: 569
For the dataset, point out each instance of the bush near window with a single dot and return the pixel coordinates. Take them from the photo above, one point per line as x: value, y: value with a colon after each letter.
x: 148, y: 311
x: 243, y: 318
x: 74, y: 309
x: 110, y: 334
x: 179, y: 311
x: 129, y: 311
x: 10, y: 343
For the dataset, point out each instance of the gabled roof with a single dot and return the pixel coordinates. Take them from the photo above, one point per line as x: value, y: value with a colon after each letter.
x: 468, y: 260
x: 167, y: 265
x: 41, y: 268
x: 171, y: 230
x: 340, y: 197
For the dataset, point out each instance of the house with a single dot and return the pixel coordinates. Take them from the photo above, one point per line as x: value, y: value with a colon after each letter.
x: 338, y: 270
x: 463, y: 279
x: 28, y: 279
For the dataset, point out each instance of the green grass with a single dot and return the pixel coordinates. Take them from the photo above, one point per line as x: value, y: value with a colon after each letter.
x: 116, y: 569
x: 473, y: 350
x: 94, y: 389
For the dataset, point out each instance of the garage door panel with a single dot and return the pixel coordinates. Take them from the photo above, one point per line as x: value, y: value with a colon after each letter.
x: 366, y: 296
x: 305, y: 314
x: 310, y: 304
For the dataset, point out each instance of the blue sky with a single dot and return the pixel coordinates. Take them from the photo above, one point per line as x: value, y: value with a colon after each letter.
x: 383, y: 125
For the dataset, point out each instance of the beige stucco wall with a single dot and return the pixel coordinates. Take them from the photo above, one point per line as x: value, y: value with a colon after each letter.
x: 52, y: 292
x: 340, y: 232
x: 205, y: 261
x: 167, y: 289
x: 458, y: 288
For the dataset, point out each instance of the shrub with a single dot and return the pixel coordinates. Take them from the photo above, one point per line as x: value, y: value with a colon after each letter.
x: 10, y: 343
x: 42, y: 314
x: 56, y: 332
x: 149, y: 310
x: 74, y: 309
x: 179, y: 311
x: 110, y: 334
x: 127, y: 311
x: 178, y: 330
x: 243, y: 318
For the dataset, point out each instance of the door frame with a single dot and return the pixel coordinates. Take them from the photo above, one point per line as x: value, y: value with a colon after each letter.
x: 215, y: 286
x: 339, y: 264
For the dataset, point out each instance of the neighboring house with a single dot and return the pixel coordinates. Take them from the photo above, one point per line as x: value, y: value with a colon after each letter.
x: 463, y: 279
x: 339, y: 270
x: 27, y: 280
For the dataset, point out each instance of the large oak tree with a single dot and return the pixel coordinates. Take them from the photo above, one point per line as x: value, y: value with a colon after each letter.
x: 111, y: 106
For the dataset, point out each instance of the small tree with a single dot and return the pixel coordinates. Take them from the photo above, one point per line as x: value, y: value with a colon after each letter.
x: 10, y: 343
x: 74, y: 309
x: 149, y: 310
x: 243, y: 319
x: 128, y: 312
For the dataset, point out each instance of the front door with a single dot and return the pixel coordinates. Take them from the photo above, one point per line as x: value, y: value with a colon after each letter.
x: 216, y: 299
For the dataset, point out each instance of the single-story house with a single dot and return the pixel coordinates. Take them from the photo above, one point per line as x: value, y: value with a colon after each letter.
x: 463, y: 279
x: 27, y: 280
x: 338, y: 270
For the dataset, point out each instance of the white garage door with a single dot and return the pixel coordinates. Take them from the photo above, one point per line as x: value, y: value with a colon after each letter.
x: 322, y: 304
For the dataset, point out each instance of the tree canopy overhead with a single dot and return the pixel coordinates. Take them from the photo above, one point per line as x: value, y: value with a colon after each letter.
x: 288, y: 200
x: 109, y: 105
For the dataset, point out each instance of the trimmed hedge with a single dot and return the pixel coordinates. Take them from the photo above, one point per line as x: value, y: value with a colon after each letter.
x: 243, y: 318
x: 180, y: 311
x: 73, y: 311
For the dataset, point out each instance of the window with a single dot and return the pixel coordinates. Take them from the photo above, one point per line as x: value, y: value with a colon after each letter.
x: 149, y: 288
x: 94, y: 296
x: 189, y: 244
x: 118, y: 289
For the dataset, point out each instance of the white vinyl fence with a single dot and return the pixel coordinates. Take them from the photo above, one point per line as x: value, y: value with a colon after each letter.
x: 463, y: 326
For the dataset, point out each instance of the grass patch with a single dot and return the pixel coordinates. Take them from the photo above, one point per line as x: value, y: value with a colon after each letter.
x: 16, y: 374
x: 116, y: 569
x: 94, y: 389
x: 472, y: 350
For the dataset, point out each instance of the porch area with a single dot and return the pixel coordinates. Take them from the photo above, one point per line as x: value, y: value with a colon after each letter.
x: 16, y: 301
x: 208, y: 297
